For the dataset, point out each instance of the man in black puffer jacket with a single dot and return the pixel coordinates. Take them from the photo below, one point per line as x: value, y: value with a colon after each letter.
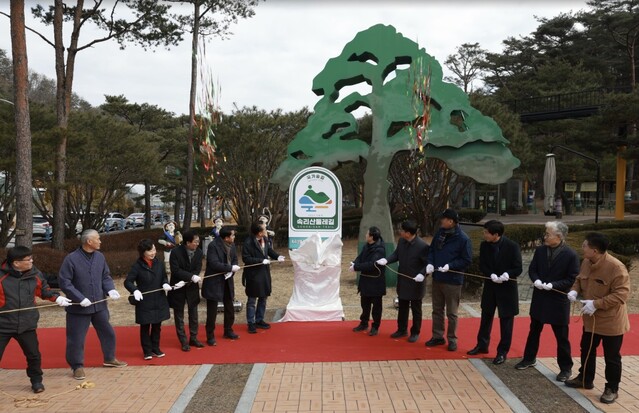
x: 372, y: 280
x: 20, y: 283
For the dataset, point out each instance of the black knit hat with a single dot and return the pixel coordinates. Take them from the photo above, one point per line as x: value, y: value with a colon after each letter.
x: 450, y: 214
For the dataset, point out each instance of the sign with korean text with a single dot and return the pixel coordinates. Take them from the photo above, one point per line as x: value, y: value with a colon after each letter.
x: 589, y: 187
x: 315, y: 205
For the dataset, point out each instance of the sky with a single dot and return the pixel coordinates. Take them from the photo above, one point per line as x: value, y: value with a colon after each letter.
x: 270, y: 60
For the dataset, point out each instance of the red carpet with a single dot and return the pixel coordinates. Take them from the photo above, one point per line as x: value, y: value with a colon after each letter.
x: 300, y: 342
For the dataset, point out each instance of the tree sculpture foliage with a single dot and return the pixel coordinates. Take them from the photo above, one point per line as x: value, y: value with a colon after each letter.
x: 470, y: 143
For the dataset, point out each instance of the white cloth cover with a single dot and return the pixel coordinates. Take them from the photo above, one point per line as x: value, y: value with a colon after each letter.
x: 317, y: 267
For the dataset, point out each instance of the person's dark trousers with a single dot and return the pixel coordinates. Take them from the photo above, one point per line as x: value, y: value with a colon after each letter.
x: 77, y: 327
x: 374, y: 303
x: 612, y: 358
x: 211, y: 314
x: 402, y: 316
x: 564, y: 360
x: 255, y: 309
x: 28, y: 342
x: 150, y: 337
x: 506, y: 330
x: 178, y: 314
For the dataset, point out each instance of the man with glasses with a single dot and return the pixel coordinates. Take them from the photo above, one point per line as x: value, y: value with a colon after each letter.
x: 218, y: 285
x: 552, y: 270
x: 85, y: 278
x: 411, y: 252
x: 186, y: 264
x: 20, y: 282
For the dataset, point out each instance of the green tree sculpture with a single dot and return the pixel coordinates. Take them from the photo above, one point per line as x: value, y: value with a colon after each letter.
x: 470, y: 143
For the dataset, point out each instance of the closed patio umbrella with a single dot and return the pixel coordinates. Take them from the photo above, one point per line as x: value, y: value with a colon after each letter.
x: 550, y: 178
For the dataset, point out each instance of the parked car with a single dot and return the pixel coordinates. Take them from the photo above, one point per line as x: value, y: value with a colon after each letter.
x: 41, y: 226
x: 136, y: 219
x: 114, y: 221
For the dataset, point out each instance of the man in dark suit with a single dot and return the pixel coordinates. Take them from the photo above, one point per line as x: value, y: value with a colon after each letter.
x: 186, y: 263
x: 257, y: 278
x: 221, y: 264
x: 554, y: 267
x: 499, y: 259
x: 412, y: 253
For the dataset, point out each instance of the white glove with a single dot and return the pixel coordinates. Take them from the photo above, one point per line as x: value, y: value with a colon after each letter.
x: 589, y: 307
x: 114, y: 294
x: 445, y: 268
x: 63, y: 301
x: 270, y: 233
x: 85, y: 303
x: 538, y: 284
x: 352, y: 267
x: 228, y: 275
x: 281, y: 258
x: 266, y: 261
x: 235, y: 268
x: 179, y: 285
x: 547, y: 287
x: 430, y: 269
x: 138, y: 295
x: 195, y: 279
x: 166, y: 287
x: 495, y: 278
x: 382, y: 261
x: 572, y: 296
x: 419, y: 278
x: 504, y: 277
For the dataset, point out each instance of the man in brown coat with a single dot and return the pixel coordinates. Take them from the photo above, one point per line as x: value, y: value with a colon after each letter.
x: 604, y: 283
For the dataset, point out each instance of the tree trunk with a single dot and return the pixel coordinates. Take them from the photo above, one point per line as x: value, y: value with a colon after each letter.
x: 148, y: 219
x: 188, y: 201
x: 24, y: 202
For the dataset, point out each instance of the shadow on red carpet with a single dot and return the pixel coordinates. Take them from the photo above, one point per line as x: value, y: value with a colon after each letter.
x: 296, y: 342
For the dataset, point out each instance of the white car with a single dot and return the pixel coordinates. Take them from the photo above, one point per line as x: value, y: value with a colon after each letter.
x: 41, y: 226
x: 136, y: 219
x: 114, y: 221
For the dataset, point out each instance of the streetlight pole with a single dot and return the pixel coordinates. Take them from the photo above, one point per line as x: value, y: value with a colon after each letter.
x: 598, y: 174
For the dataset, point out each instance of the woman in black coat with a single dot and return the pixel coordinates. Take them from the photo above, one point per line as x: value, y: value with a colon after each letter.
x: 372, y: 280
x: 148, y: 283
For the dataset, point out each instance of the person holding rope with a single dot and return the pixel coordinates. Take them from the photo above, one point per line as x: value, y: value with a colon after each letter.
x: 604, y: 284
x: 257, y: 278
x: 85, y: 278
x: 450, y: 250
x: 186, y: 265
x: 148, y: 283
x: 500, y: 263
x: 20, y: 282
x: 552, y: 270
x: 218, y: 285
x: 411, y: 252
x: 372, y: 280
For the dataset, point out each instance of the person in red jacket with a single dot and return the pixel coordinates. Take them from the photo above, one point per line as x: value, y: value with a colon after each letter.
x: 20, y: 283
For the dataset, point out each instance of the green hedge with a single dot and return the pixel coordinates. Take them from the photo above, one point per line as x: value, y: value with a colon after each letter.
x: 471, y: 215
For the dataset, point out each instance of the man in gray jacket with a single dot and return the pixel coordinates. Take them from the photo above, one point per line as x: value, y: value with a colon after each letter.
x: 85, y: 278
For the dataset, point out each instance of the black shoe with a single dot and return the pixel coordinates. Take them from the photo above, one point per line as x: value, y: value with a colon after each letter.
x: 524, y: 364
x: 251, y: 328
x: 374, y: 331
x: 157, y: 353
x: 399, y: 334
x: 578, y: 383
x: 413, y: 338
x: 435, y: 342
x: 37, y: 387
x: 196, y: 343
x: 231, y: 335
x: 452, y: 346
x: 186, y: 347
x: 477, y: 350
x: 499, y: 359
x: 262, y: 324
x: 211, y: 342
x: 564, y: 375
x: 360, y: 327
x: 609, y: 396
